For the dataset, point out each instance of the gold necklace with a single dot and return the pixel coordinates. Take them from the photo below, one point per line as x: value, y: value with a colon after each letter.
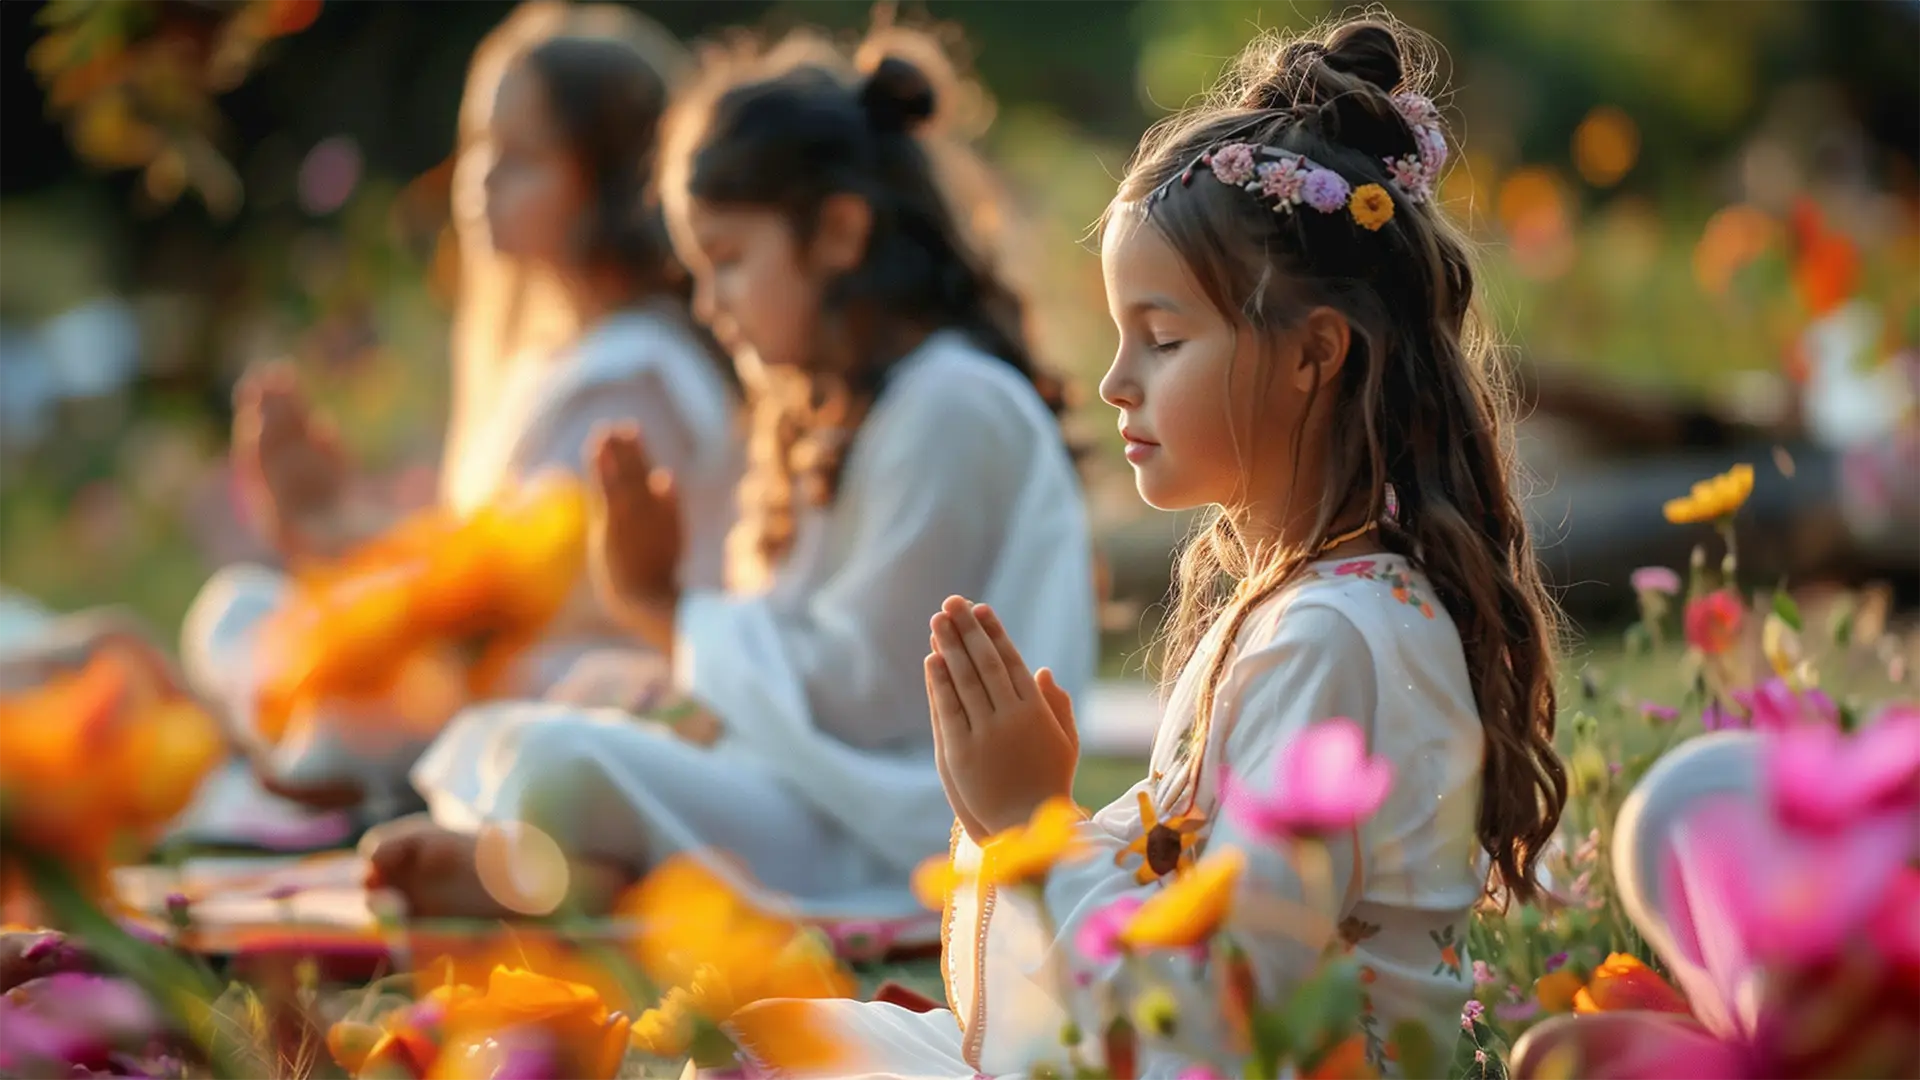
x: 1354, y: 533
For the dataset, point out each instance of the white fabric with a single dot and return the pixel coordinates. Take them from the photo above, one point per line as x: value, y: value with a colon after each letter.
x: 1371, y: 644
x: 958, y: 482
x: 641, y: 365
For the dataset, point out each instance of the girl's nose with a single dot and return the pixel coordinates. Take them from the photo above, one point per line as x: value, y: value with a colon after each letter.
x: 1117, y: 386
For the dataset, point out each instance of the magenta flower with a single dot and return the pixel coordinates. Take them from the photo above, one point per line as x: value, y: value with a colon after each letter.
x: 1471, y: 1013
x: 1200, y: 1072
x: 72, y: 1020
x: 1664, y: 714
x: 1098, y: 939
x: 1822, y: 779
x: 1556, y: 962
x: 1776, y: 706
x: 1355, y: 568
x: 1324, y: 783
x: 1325, y: 190
x: 1796, y: 951
x: 1656, y: 579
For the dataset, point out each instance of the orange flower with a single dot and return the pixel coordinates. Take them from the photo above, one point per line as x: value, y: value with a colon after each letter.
x: 1187, y: 912
x: 1556, y: 989
x: 1370, y: 206
x: 696, y: 932
x: 934, y: 879
x: 1714, y: 499
x: 1622, y: 982
x: 99, y: 758
x: 359, y: 628
x: 564, y: 1018
x: 788, y: 1036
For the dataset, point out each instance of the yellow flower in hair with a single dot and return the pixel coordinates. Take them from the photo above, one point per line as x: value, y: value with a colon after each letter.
x: 1371, y: 206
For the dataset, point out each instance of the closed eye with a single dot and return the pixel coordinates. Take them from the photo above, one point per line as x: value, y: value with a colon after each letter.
x: 1164, y: 347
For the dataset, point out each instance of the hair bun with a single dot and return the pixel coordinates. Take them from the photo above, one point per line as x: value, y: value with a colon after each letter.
x: 897, y: 96
x: 1367, y: 51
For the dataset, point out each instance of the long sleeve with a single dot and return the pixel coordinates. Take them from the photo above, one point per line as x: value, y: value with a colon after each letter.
x: 925, y: 511
x: 1315, y: 666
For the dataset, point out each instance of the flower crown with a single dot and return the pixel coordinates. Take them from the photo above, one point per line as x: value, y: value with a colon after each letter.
x: 1287, y: 179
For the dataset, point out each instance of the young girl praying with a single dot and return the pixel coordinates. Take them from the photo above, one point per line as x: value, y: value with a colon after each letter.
x: 905, y: 447
x: 1296, y: 350
x: 572, y: 314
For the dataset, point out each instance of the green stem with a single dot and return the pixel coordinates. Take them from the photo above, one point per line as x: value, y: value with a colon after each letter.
x: 169, y: 979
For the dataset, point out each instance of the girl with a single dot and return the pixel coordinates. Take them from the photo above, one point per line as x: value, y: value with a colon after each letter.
x: 904, y: 447
x: 572, y: 314
x: 1296, y: 348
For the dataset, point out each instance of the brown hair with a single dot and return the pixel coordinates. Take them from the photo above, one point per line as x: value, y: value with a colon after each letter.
x: 1421, y: 410
x: 789, y: 127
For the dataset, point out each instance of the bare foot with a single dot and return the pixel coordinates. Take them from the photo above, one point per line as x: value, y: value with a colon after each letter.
x: 505, y: 871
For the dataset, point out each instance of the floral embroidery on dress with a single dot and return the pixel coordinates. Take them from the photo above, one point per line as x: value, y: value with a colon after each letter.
x: 1370, y: 1022
x: 1354, y: 930
x: 1449, y: 945
x: 1399, y: 580
x: 1163, y: 846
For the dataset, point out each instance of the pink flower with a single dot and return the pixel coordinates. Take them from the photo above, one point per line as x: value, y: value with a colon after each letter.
x: 1716, y: 717
x: 1712, y: 621
x: 1325, y: 190
x: 1743, y: 889
x: 1776, y: 706
x: 1656, y: 579
x: 1470, y: 1014
x: 1282, y: 180
x: 1410, y: 173
x: 1665, y: 714
x: 1324, y: 783
x: 1232, y: 163
x: 1357, y: 566
x: 1482, y: 974
x: 1098, y: 938
x: 1199, y: 1072
x: 1822, y: 779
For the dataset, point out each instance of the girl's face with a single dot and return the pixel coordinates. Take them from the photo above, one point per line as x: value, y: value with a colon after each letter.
x: 754, y: 284
x: 1207, y: 417
x: 535, y: 191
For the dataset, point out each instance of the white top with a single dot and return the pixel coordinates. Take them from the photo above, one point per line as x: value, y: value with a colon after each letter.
x: 641, y: 366
x: 957, y: 482
x: 1363, y: 639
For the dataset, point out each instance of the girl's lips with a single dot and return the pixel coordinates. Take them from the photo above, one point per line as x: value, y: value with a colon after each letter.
x: 1139, y: 450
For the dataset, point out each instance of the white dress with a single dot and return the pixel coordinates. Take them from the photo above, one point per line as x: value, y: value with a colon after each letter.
x: 823, y: 784
x: 640, y: 365
x: 1363, y: 639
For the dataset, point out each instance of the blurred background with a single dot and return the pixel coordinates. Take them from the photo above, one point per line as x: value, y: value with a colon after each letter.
x: 1700, y: 226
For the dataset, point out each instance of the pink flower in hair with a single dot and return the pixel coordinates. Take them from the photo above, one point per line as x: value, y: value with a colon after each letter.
x: 1233, y: 163
x: 1282, y: 180
x: 1432, y: 142
x: 1326, y: 191
x: 1416, y: 109
x: 1409, y: 175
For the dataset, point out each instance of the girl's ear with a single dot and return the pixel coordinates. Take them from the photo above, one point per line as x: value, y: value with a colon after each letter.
x: 840, y: 234
x: 1324, y: 337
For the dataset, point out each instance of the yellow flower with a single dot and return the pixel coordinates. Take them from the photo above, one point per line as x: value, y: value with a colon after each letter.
x: 1780, y: 645
x: 1163, y: 846
x: 1027, y: 852
x: 666, y: 1030
x: 1714, y: 498
x: 1188, y: 911
x: 1371, y: 206
x: 571, y: 1014
x: 1156, y: 1012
